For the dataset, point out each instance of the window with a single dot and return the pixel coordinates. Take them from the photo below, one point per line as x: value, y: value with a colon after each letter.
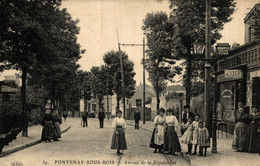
x: 138, y: 103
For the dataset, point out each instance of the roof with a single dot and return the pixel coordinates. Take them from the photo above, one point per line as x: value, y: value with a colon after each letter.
x: 174, y: 88
x: 251, y: 11
x: 7, y: 89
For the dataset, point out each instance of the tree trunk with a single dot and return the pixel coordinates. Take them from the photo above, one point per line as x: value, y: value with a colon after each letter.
x: 24, y: 104
x: 158, y: 101
x: 188, y: 80
x: 117, y: 104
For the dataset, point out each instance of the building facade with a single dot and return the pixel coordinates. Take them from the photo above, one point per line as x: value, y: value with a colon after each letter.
x: 238, y: 75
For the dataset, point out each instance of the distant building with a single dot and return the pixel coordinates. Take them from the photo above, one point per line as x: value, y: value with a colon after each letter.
x: 137, y: 99
x: 13, y: 78
x: 173, y: 97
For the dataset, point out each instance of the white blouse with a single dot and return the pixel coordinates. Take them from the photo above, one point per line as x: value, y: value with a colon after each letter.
x: 172, y: 121
x: 118, y: 122
x: 159, y: 120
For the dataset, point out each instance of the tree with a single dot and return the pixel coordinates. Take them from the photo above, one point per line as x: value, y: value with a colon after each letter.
x: 112, y: 62
x: 98, y: 85
x: 34, y: 34
x: 161, y: 62
x: 189, y: 19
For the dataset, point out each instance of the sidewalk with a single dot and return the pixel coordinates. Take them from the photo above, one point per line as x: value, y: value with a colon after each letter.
x: 225, y: 156
x: 34, y: 138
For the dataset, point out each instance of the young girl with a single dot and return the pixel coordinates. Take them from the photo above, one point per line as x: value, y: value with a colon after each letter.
x: 118, y: 139
x: 203, y: 139
x: 195, y: 133
x: 187, y: 136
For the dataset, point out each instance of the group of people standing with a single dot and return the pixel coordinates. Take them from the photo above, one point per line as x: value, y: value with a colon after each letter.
x: 101, y: 117
x: 165, y: 138
x: 51, y: 126
x: 246, y: 136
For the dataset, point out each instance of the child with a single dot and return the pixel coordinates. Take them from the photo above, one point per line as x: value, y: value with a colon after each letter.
x: 195, y: 133
x: 203, y: 139
x: 187, y: 136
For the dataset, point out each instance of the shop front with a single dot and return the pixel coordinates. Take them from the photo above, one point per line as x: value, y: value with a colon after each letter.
x: 238, y: 82
x: 231, y: 95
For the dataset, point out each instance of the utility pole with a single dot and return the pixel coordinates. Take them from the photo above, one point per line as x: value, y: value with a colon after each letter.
x: 143, y: 81
x: 207, y: 113
x: 122, y: 74
x: 132, y: 45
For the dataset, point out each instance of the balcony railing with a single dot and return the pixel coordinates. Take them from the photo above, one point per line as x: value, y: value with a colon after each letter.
x: 246, y: 54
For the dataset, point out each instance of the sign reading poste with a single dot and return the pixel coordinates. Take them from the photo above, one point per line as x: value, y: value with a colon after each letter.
x: 234, y: 73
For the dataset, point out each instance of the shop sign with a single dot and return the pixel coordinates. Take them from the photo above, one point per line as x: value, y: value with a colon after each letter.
x: 235, y: 73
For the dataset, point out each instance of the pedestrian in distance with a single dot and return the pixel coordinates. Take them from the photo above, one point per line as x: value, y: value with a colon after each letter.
x: 195, y: 123
x: 56, y: 122
x: 47, y: 123
x: 101, y: 117
x: 85, y: 118
x: 65, y: 115
x: 137, y: 117
x: 187, y: 136
x: 171, y: 143
x: 118, y: 138
x: 157, y: 140
x: 203, y: 139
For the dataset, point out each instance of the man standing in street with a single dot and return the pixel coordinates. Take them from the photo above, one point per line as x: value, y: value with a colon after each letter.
x: 137, y: 117
x: 85, y: 119
x: 101, y: 116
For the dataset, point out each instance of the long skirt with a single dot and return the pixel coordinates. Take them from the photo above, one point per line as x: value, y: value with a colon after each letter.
x: 239, y: 136
x: 152, y: 144
x: 252, y: 142
x: 47, y: 131
x: 56, y: 131
x: 171, y: 142
x: 118, y: 140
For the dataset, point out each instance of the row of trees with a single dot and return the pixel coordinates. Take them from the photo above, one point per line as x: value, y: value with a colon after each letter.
x: 39, y: 39
x: 106, y: 79
x: 170, y: 38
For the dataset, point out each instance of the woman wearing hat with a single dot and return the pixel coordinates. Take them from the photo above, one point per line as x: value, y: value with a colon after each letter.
x: 172, y: 143
x: 157, y: 140
x: 118, y: 139
x: 253, y: 133
x: 47, y: 123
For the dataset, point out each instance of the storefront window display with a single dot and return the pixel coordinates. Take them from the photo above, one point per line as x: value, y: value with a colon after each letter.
x: 226, y: 106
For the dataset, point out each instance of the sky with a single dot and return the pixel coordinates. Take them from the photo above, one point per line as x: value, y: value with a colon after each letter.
x: 100, y: 20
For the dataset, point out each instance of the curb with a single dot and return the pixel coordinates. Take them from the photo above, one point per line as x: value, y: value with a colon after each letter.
x: 21, y: 147
x: 182, y: 155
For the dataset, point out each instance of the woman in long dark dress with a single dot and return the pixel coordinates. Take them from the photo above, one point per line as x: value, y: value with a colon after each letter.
x: 253, y: 133
x: 47, y: 123
x: 118, y: 139
x: 240, y: 130
x: 171, y: 142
